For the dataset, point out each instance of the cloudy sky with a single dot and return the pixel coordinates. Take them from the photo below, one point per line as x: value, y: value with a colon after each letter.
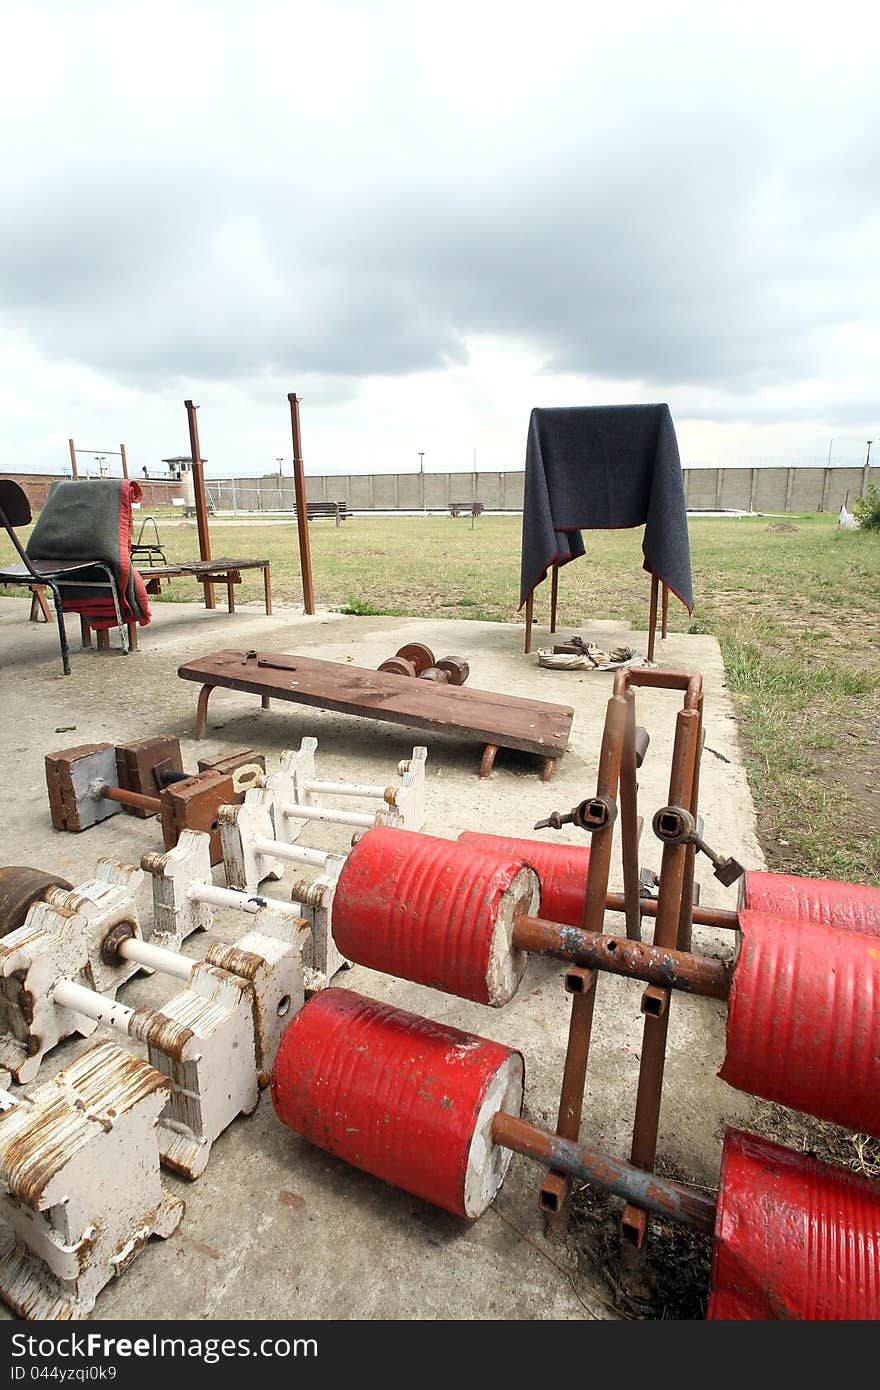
x: 427, y: 219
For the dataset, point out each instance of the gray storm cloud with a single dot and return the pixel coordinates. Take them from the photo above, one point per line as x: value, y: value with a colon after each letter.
x: 689, y: 200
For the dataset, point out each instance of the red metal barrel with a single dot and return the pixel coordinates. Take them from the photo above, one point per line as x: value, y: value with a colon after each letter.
x: 803, y: 1022
x: 405, y: 1099
x: 854, y: 906
x: 561, y: 868
x: 794, y: 1238
x: 431, y: 910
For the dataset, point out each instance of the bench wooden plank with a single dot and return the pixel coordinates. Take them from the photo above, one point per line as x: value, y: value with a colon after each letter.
x: 493, y: 718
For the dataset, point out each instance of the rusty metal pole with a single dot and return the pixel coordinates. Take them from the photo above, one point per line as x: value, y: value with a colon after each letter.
x: 302, y: 516
x: 73, y: 467
x: 124, y: 461
x: 686, y: 917
x: 656, y: 1002
x: 652, y: 616
x: 556, y: 1188
x: 199, y: 491
x: 629, y: 822
x: 721, y: 917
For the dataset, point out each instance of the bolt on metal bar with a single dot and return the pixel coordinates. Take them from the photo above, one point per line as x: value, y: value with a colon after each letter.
x: 665, y: 1198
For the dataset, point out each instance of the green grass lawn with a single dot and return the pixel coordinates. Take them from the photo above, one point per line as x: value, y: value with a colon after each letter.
x: 794, y: 602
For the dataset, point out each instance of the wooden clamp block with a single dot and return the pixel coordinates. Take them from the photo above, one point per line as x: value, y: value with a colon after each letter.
x: 321, y: 956
x: 193, y: 805
x: 139, y: 764
x: 184, y: 894
x: 243, y: 830
x: 69, y: 775
x: 80, y: 1172
x: 107, y: 902
x: 62, y: 937
x: 246, y: 768
x: 216, y: 1041
x: 53, y: 942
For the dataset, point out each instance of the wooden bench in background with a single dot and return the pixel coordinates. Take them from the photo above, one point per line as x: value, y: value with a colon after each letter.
x: 465, y: 508
x: 338, y: 510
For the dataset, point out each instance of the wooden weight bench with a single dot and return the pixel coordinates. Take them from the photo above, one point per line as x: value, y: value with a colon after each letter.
x: 486, y: 716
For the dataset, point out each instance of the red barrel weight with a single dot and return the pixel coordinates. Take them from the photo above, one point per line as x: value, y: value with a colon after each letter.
x: 794, y: 1238
x: 432, y: 911
x: 398, y: 1096
x: 854, y: 906
x: 803, y: 1022
x: 561, y: 869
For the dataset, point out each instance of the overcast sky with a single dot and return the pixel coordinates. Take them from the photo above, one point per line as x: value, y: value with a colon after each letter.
x: 427, y: 219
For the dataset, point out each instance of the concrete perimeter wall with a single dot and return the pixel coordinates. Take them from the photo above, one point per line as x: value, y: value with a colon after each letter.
x: 37, y: 485
x: 706, y: 489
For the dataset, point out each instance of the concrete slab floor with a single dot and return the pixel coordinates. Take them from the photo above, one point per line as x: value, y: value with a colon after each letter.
x: 276, y: 1228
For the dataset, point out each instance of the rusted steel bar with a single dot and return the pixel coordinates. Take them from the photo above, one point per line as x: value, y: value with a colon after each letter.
x: 691, y: 682
x: 127, y: 798
x: 653, y: 1056
x: 302, y: 518
x: 555, y: 1190
x: 664, y: 620
x: 629, y: 822
x: 581, y: 985
x: 721, y: 917
x: 198, y: 475
x: 554, y: 595
x: 124, y: 457
x: 666, y: 1198
x: 686, y: 913
x: 652, y: 616
x: 73, y: 468
x: 657, y: 965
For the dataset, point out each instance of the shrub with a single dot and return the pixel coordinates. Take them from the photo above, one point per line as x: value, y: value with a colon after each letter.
x: 866, y: 510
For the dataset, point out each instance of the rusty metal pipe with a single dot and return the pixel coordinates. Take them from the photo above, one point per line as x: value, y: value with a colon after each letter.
x: 555, y: 1189
x: 672, y: 874
x: 657, y: 965
x: 662, y: 1196
x: 127, y: 798
x: 629, y: 822
x: 721, y: 917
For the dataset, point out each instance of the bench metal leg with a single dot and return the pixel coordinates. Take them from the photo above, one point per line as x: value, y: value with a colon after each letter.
x: 202, y: 710
x: 85, y: 631
x: 267, y: 588
x: 489, y: 753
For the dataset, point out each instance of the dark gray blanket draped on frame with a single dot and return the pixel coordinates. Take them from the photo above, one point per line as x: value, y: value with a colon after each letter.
x: 604, y: 468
